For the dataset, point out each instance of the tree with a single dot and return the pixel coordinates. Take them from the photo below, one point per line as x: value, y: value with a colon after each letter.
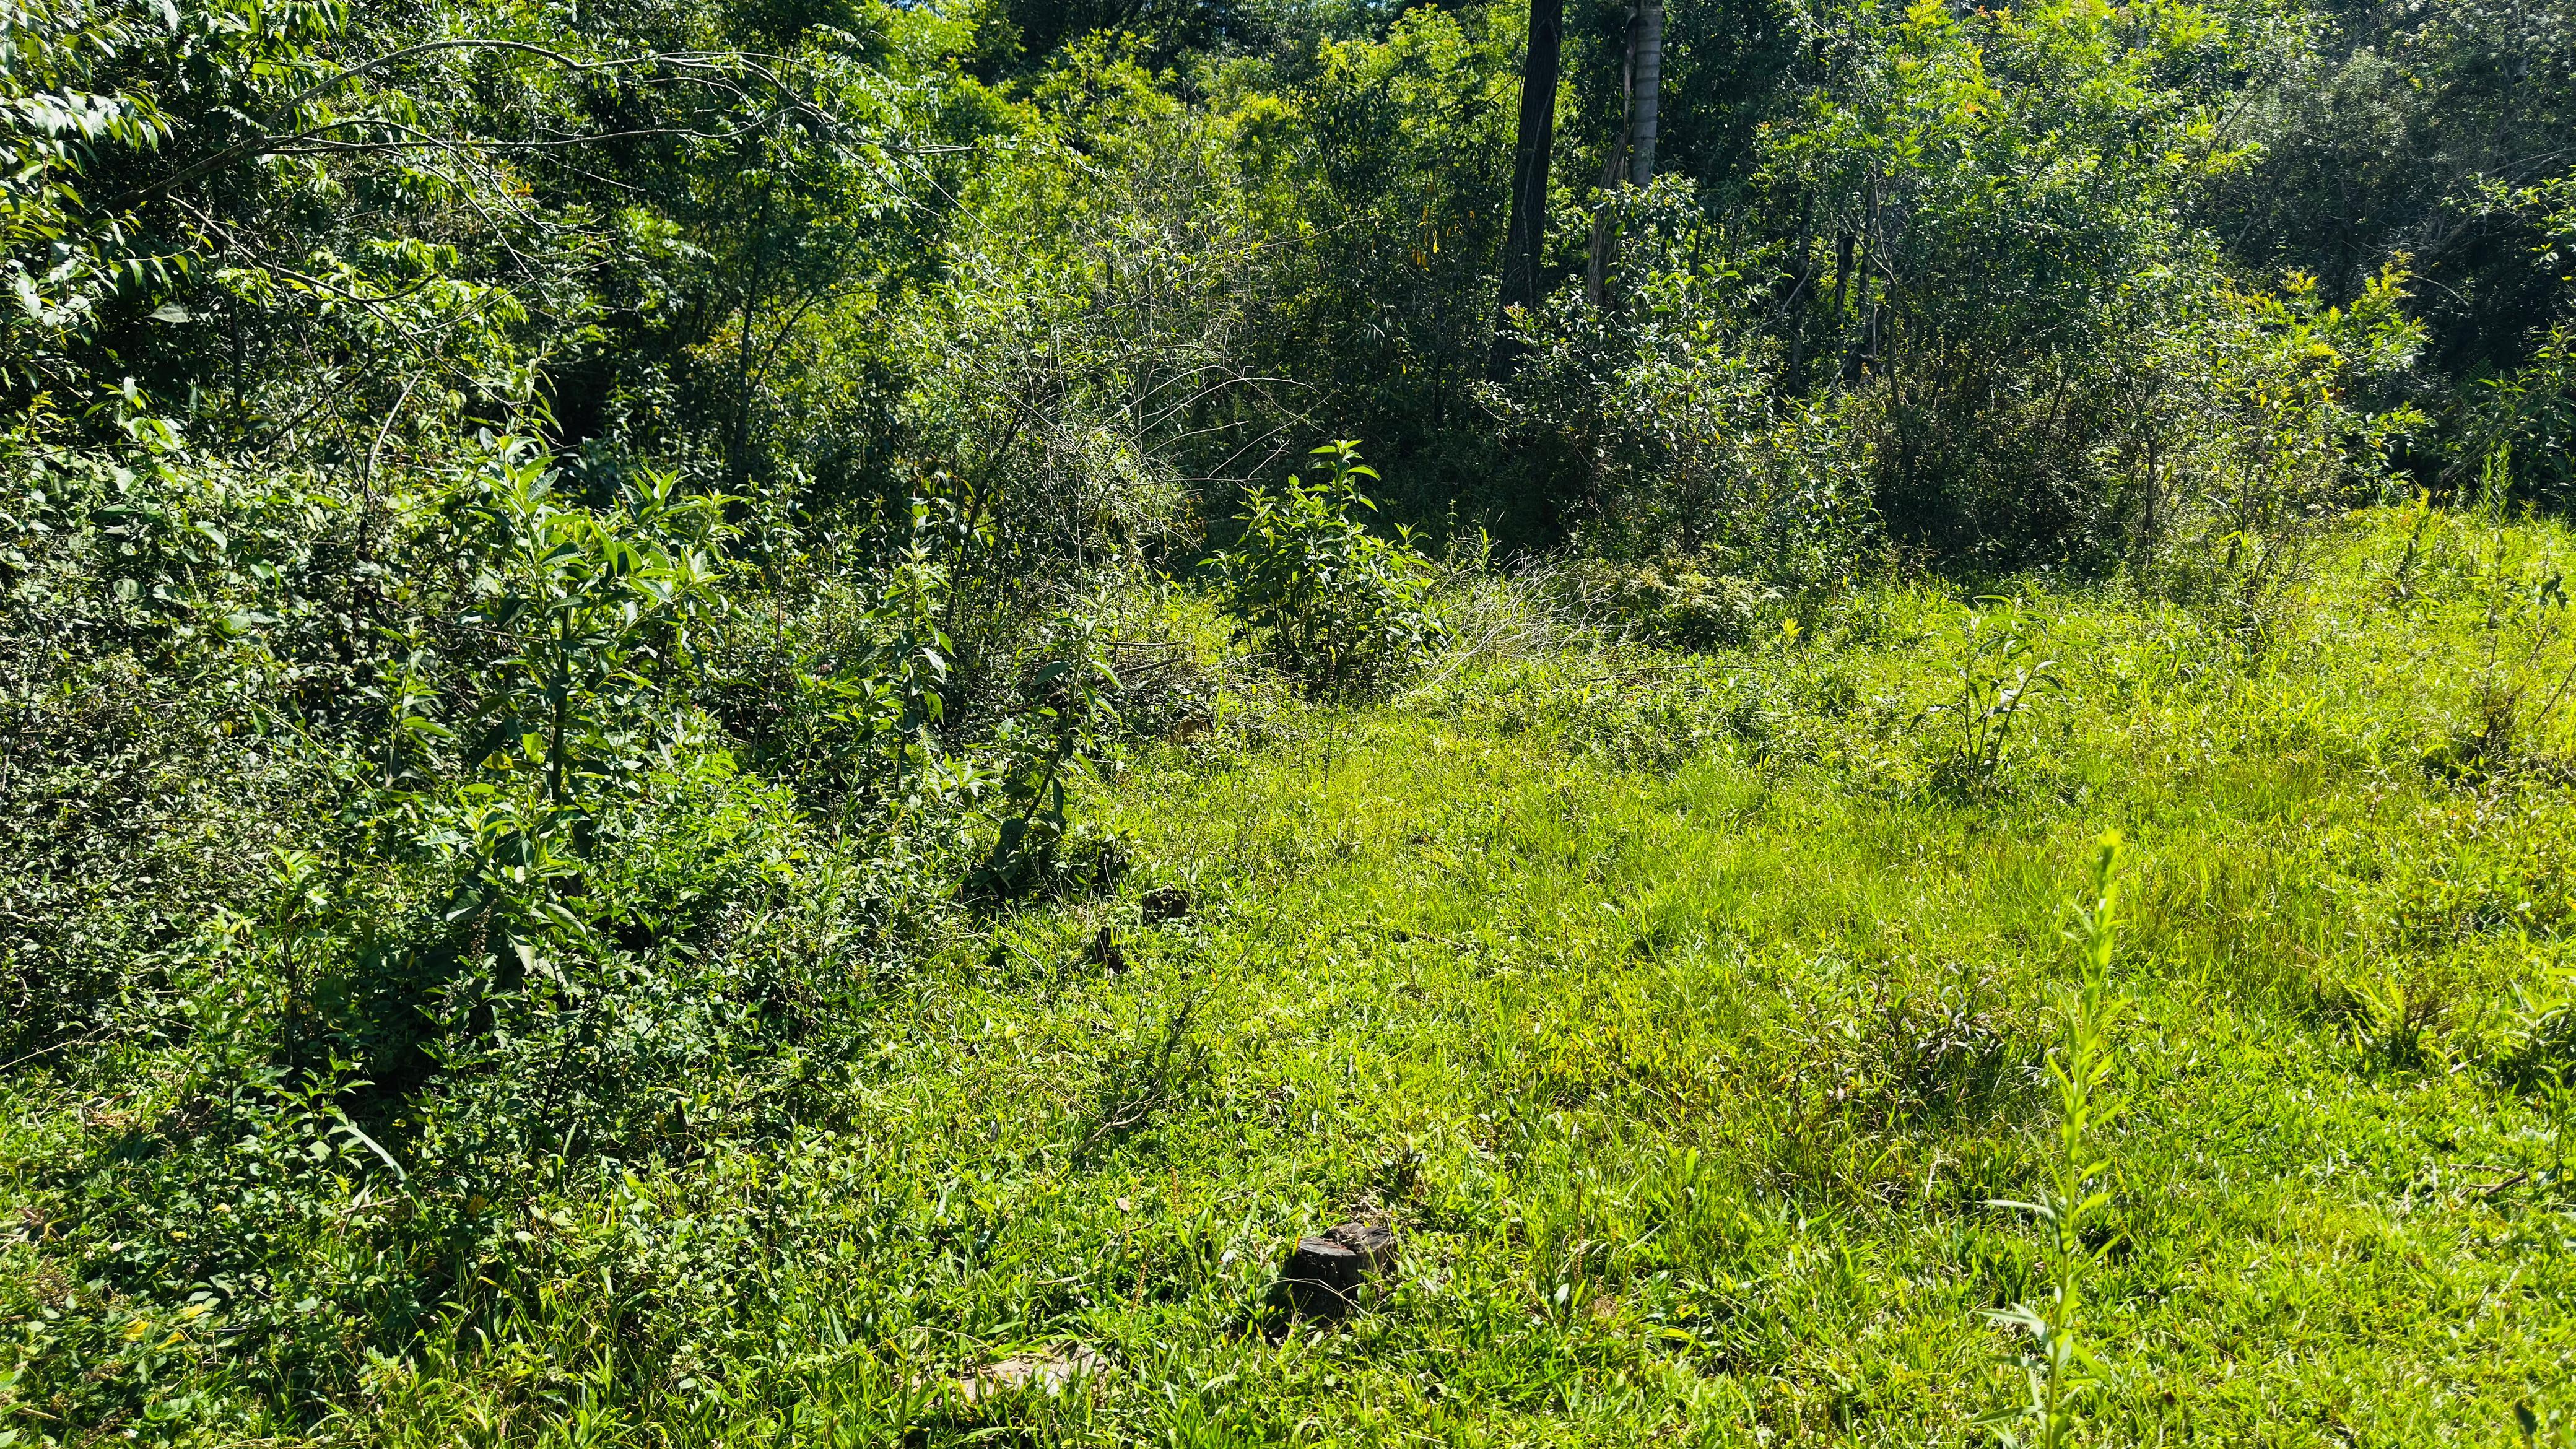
x: 1537, y: 136
x: 1645, y: 87
x: 1641, y: 81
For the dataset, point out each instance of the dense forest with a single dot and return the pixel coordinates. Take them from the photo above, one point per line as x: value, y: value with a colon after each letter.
x: 795, y: 721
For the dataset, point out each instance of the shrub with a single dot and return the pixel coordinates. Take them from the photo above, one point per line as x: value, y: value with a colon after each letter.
x: 1068, y: 712
x: 1339, y: 609
x: 1686, y: 603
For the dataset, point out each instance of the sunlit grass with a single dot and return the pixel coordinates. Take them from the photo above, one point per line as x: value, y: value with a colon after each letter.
x: 1688, y: 1075
x: 1687, y: 1024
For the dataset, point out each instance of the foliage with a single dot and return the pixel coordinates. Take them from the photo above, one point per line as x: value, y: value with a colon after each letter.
x: 605, y: 620
x: 2062, y: 1368
x: 2512, y: 424
x: 1338, y: 608
x: 1983, y: 285
x: 2389, y: 133
x: 2231, y: 508
x: 1410, y: 134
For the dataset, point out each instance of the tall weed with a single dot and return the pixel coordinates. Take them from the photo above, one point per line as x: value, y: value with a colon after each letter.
x: 2001, y: 674
x: 2059, y: 1361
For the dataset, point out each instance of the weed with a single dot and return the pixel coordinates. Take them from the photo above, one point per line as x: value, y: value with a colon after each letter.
x: 2000, y: 675
x: 1146, y: 1080
x: 2543, y: 1047
x: 2403, y: 579
x: 2399, y: 1014
x: 2512, y: 698
x: 2060, y: 1362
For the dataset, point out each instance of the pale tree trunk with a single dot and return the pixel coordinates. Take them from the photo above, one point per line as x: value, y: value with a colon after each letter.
x: 1527, y: 232
x: 1641, y: 79
x: 1645, y: 88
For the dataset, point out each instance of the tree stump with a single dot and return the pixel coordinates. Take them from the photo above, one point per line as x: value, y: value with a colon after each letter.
x: 1104, y: 951
x: 1325, y: 1272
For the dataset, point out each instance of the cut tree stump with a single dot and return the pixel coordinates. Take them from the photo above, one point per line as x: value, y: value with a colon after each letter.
x: 1104, y: 951
x: 1325, y: 1272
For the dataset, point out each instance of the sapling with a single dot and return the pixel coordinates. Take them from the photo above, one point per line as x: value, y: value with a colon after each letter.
x: 2058, y: 1360
x: 1997, y: 681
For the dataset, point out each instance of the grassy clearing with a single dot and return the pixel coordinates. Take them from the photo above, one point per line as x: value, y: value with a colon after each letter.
x: 1685, y: 1015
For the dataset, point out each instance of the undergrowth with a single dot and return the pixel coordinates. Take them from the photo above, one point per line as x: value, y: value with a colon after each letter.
x: 1690, y: 1017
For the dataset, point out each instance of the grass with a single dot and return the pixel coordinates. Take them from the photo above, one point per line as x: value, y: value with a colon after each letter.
x: 1689, y: 1020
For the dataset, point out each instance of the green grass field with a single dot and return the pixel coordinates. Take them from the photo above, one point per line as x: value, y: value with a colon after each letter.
x: 1686, y: 1017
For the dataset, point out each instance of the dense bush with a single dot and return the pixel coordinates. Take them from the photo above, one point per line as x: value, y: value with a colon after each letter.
x: 1663, y: 408
x: 1680, y: 602
x: 1333, y: 605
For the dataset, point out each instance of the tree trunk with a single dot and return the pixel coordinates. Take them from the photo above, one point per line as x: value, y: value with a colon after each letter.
x: 1537, y: 136
x: 1641, y: 79
x: 1645, y: 88
x: 1596, y: 275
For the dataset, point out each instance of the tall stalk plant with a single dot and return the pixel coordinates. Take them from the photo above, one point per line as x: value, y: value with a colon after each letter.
x: 2058, y: 1358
